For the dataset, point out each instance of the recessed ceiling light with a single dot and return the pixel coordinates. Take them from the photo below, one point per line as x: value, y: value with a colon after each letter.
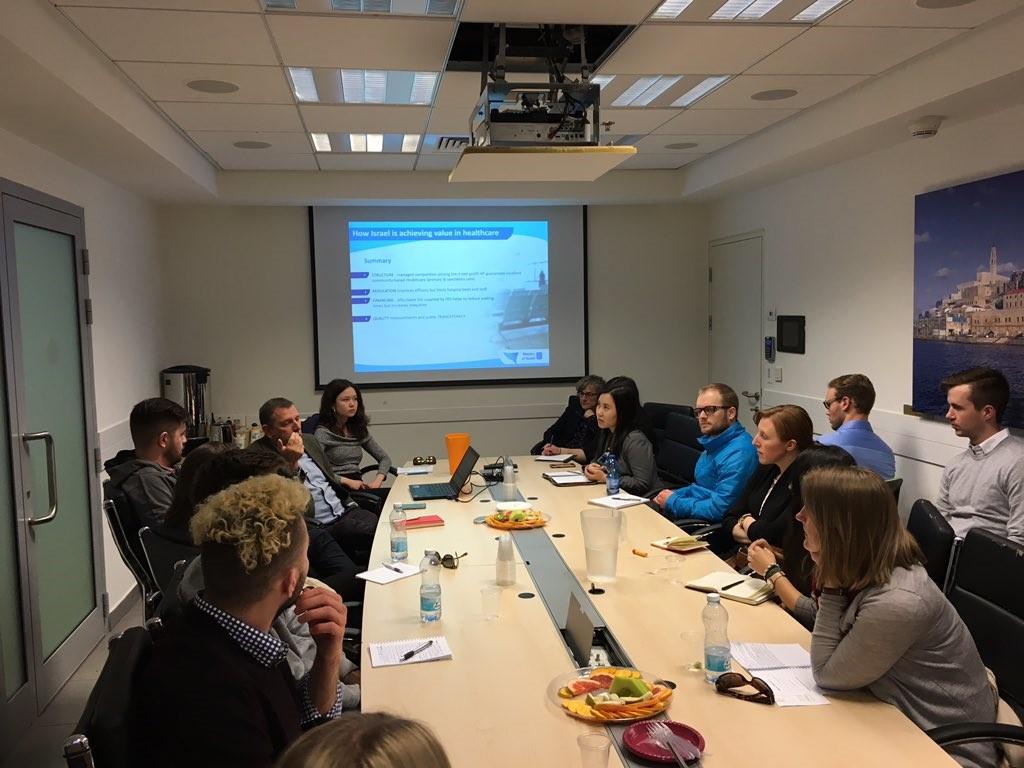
x: 645, y: 89
x: 759, y: 8
x: 321, y: 142
x: 375, y: 142
x: 279, y: 4
x: 601, y: 80
x: 212, y: 86
x: 730, y: 9
x: 423, y: 87
x: 252, y: 144
x: 776, y: 94
x: 303, y: 83
x: 682, y: 145
x: 410, y: 142
x: 933, y: 5
x: 817, y: 9
x: 699, y: 91
x: 361, y: 86
x: 357, y: 142
x: 670, y: 9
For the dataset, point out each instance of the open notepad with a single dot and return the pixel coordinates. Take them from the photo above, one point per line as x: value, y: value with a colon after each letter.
x: 731, y: 585
x: 390, y: 654
x: 385, y: 574
x: 561, y: 457
x: 618, y: 500
x: 786, y: 667
x: 566, y: 478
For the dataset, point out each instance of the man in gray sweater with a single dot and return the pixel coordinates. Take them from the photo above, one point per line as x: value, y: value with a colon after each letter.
x: 984, y: 486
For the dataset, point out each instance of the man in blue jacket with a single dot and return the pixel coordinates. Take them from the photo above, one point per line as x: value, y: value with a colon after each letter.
x: 728, y: 461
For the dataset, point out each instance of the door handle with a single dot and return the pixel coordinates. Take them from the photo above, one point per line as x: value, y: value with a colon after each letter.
x: 51, y: 474
x: 755, y: 396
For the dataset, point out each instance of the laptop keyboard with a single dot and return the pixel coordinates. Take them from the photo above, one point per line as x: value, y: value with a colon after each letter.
x: 443, y: 489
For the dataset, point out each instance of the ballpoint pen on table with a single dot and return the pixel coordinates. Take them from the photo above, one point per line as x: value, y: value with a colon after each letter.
x: 409, y: 654
x: 391, y: 567
x: 730, y: 586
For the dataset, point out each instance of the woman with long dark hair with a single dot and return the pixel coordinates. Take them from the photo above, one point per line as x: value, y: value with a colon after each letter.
x: 623, y: 434
x: 344, y: 433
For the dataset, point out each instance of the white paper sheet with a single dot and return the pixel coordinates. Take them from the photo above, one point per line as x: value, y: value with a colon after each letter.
x: 390, y: 654
x: 758, y: 656
x: 413, y: 470
x: 793, y: 687
x: 385, y: 575
x: 561, y: 457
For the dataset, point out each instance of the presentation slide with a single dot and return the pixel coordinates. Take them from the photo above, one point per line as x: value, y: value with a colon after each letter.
x: 431, y: 295
x: 420, y: 295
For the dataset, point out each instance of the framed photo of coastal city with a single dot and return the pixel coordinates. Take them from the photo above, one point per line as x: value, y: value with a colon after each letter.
x: 969, y: 287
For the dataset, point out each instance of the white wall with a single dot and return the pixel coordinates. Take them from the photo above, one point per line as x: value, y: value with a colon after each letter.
x: 238, y: 278
x: 120, y: 232
x: 839, y: 248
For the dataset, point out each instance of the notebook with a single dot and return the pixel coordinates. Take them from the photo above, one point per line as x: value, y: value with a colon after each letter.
x: 390, y: 654
x: 566, y: 478
x: 424, y: 521
x: 732, y: 586
x: 681, y: 544
x: 618, y: 500
x: 385, y: 574
x: 561, y: 457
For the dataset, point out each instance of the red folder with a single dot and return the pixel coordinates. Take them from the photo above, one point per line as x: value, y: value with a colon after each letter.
x: 424, y: 521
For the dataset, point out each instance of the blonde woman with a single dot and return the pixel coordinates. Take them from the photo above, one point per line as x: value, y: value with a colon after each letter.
x: 882, y: 624
x: 375, y: 740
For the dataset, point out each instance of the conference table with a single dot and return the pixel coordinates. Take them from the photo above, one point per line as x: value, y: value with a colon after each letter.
x: 489, y: 703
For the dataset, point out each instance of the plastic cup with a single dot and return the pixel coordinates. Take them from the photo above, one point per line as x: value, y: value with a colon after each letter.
x: 594, y: 749
x: 456, y: 443
x: 601, y: 529
x: 692, y: 649
x: 490, y: 602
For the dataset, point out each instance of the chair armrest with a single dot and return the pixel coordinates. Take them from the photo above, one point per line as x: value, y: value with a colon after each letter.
x: 77, y: 752
x: 696, y: 526
x: 968, y: 733
x: 367, y: 501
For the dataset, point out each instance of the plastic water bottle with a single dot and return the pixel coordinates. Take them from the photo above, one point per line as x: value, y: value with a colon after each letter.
x: 505, y: 565
x: 430, y: 587
x: 508, y: 479
x: 717, y: 656
x: 612, y: 482
x: 399, y: 536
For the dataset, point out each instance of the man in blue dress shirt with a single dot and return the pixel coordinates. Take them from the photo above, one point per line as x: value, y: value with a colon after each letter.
x: 848, y: 401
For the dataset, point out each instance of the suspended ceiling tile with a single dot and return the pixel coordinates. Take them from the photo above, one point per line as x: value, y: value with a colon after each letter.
x: 450, y: 121
x: 246, y: 160
x: 197, y: 116
x: 177, y: 36
x: 364, y: 119
x: 244, y: 6
x: 664, y: 49
x: 371, y: 161
x: 658, y: 143
x: 437, y: 162
x: 850, y: 50
x: 810, y: 89
x: 887, y: 13
x: 168, y: 82
x: 374, y: 42
x: 560, y: 12
x: 658, y: 162
x: 281, y: 142
x: 635, y: 120
x: 724, y: 121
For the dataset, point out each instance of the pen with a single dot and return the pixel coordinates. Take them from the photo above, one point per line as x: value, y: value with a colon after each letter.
x: 409, y: 654
x: 390, y: 567
x: 730, y: 586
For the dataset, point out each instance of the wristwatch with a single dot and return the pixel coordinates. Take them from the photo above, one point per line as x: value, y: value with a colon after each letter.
x: 838, y: 591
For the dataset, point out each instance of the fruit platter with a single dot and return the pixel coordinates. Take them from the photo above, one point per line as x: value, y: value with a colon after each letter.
x: 609, y: 694
x: 517, y: 519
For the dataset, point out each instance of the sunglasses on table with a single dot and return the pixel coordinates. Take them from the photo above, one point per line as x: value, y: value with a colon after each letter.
x: 731, y: 683
x: 451, y: 561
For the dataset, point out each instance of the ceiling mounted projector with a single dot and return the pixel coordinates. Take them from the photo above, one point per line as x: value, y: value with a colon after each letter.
x: 537, y: 131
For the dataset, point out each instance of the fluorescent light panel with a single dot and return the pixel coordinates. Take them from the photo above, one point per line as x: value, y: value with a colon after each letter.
x: 410, y: 142
x: 699, y: 91
x: 816, y: 10
x: 423, y: 87
x: 670, y: 9
x: 659, y: 86
x: 357, y: 142
x: 758, y: 9
x: 375, y: 142
x: 377, y: 86
x: 321, y: 142
x: 303, y: 84
x: 601, y: 80
x: 730, y: 10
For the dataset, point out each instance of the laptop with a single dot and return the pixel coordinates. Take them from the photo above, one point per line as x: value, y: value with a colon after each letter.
x: 449, y: 490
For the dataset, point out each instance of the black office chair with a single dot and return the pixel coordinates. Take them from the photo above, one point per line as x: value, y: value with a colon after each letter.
x: 124, y: 529
x: 937, y: 541
x: 101, y: 735
x: 657, y: 416
x: 679, y: 450
x: 161, y: 553
x: 895, y: 483
x: 309, y: 425
x: 986, y: 592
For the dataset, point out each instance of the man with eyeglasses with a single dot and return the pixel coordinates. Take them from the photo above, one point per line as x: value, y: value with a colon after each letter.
x: 577, y: 427
x: 848, y: 401
x: 722, y: 471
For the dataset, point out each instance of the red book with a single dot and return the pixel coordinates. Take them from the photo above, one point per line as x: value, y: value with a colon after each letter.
x: 424, y: 521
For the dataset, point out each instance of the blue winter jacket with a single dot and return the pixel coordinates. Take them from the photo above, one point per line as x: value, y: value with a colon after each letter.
x: 722, y: 472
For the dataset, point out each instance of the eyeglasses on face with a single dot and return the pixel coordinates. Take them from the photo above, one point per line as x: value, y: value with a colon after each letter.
x: 730, y: 683
x: 708, y: 410
x: 828, y: 403
x: 451, y: 561
x: 587, y: 393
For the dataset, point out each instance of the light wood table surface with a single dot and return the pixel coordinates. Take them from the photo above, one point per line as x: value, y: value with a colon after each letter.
x: 489, y: 706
